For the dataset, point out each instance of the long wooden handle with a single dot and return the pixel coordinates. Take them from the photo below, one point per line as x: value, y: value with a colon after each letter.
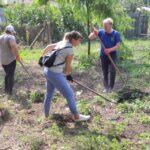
x: 110, y: 58
x: 93, y: 91
x: 24, y: 68
x: 115, y: 67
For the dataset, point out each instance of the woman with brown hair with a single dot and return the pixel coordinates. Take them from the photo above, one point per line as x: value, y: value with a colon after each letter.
x: 57, y: 75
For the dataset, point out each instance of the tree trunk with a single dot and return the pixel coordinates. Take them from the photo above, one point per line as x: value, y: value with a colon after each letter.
x: 88, y: 25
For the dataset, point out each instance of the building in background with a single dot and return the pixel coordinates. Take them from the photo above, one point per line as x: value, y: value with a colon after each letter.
x: 9, y: 2
x: 147, y: 3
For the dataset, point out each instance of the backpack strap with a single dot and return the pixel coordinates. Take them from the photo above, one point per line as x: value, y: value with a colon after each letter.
x: 58, y: 50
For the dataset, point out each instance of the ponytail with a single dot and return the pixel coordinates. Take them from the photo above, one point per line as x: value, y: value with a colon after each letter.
x: 72, y: 35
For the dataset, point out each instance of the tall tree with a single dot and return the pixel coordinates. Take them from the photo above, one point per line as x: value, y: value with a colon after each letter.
x: 93, y: 11
x: 131, y: 6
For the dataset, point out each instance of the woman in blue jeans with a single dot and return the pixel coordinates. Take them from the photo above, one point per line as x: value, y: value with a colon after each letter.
x: 57, y: 75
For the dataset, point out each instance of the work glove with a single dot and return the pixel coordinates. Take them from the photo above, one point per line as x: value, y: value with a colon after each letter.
x: 40, y: 61
x: 18, y: 58
x: 107, y: 51
x: 69, y: 78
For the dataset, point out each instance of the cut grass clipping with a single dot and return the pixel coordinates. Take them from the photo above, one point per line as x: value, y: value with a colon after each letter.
x: 130, y: 95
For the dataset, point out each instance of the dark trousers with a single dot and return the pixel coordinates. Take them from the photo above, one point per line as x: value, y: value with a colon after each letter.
x: 9, y: 77
x: 109, y: 72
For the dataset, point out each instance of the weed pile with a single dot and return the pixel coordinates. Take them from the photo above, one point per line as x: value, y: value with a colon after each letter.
x: 130, y: 94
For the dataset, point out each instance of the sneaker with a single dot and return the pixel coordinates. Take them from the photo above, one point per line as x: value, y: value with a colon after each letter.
x: 82, y: 118
x: 105, y: 90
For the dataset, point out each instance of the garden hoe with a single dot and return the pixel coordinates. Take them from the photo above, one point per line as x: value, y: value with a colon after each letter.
x: 24, y: 68
x: 74, y: 82
x: 26, y: 72
x: 91, y: 90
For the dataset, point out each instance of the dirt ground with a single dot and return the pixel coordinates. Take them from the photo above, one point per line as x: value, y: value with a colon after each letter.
x: 25, y: 123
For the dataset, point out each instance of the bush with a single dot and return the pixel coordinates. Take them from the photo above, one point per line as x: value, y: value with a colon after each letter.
x: 61, y: 18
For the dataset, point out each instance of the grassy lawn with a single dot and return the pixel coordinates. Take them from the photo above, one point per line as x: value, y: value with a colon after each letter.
x: 124, y: 126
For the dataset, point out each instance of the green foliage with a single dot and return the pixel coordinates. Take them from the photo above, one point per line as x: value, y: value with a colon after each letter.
x: 144, y: 136
x: 61, y: 17
x: 89, y: 142
x: 124, y: 52
x: 97, y: 118
x: 115, y: 130
x: 27, y: 15
x: 98, y: 10
x: 115, y: 145
x: 36, y: 144
x: 1, y: 3
x: 92, y: 12
x: 84, y: 106
x: 37, y: 97
x: 145, y: 119
x: 69, y: 21
x: 30, y: 55
x: 54, y: 131
x: 131, y: 6
x: 40, y: 2
x: 137, y: 106
x: 1, y: 80
x: 99, y: 101
x: 86, y: 62
x: 96, y: 141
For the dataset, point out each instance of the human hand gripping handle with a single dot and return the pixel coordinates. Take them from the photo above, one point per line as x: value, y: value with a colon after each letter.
x: 18, y: 58
x: 95, y: 31
x: 69, y: 78
x: 107, y: 51
x: 93, y: 34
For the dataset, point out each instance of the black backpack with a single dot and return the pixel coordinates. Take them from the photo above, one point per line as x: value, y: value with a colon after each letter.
x: 49, y: 59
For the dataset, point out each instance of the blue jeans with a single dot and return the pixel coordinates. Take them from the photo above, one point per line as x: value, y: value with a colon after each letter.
x: 58, y: 81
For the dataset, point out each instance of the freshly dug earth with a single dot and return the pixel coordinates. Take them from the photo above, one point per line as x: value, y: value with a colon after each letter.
x: 130, y: 95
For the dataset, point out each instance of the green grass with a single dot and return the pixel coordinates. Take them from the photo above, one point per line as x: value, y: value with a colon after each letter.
x: 33, y: 54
